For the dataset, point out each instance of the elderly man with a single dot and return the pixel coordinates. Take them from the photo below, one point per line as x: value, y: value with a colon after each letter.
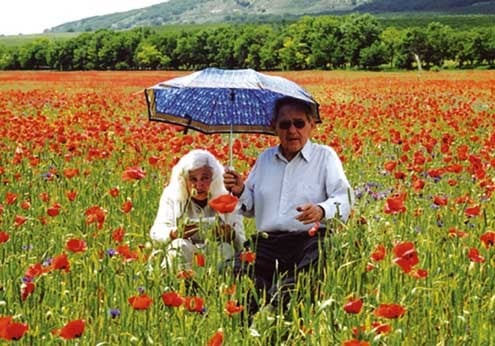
x: 291, y: 191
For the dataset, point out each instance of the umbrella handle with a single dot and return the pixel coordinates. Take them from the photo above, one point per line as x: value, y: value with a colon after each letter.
x: 230, y: 146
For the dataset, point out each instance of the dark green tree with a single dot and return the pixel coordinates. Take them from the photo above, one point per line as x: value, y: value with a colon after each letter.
x: 358, y: 32
x: 370, y: 58
x: 439, y: 44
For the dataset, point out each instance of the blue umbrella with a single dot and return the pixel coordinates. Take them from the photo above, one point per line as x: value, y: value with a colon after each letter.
x: 214, y: 100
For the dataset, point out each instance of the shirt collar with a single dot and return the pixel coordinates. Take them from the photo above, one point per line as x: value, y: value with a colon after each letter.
x: 305, y: 152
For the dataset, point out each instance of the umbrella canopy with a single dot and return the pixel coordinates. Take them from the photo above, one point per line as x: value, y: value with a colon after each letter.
x: 223, y: 101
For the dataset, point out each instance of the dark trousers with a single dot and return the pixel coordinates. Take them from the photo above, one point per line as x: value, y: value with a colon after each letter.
x: 280, y: 258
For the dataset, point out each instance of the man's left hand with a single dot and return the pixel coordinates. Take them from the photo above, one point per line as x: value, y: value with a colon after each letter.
x: 310, y: 213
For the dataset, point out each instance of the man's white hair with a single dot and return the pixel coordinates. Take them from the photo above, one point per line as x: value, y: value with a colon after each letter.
x: 195, y: 159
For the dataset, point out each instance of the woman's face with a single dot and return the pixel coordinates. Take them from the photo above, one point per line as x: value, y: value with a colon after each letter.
x: 198, y: 182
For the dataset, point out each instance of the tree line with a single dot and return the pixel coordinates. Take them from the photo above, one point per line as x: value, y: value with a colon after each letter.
x: 355, y: 41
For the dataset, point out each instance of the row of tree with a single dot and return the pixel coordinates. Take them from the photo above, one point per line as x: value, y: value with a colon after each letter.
x: 326, y: 42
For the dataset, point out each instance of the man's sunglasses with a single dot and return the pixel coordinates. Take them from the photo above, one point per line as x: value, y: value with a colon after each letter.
x: 286, y: 124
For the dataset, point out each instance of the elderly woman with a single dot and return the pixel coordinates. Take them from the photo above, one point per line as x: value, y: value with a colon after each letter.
x: 184, y: 214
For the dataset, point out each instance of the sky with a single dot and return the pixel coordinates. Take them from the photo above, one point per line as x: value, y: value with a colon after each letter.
x: 34, y: 16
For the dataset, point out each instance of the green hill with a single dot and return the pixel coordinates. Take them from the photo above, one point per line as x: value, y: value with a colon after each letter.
x: 216, y: 11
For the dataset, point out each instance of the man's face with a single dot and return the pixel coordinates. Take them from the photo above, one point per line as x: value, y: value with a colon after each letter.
x: 293, y: 128
x: 199, y: 180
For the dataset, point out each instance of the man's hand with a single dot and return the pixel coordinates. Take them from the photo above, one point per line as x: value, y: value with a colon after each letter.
x: 310, y: 213
x: 233, y: 182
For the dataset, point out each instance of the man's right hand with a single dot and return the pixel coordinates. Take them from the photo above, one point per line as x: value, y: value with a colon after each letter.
x: 233, y: 182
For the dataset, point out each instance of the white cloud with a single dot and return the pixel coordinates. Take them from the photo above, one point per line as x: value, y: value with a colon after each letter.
x: 34, y: 16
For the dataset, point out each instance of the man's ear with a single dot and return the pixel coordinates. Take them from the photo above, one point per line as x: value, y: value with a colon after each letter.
x: 312, y: 122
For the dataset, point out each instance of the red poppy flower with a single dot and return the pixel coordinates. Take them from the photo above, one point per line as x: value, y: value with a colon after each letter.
x: 395, y: 204
x: 19, y: 220
x: 185, y: 274
x: 199, y: 259
x: 54, y: 210
x: 454, y: 232
x: 95, y: 214
x: 390, y: 165
x: 216, y: 339
x: 172, y: 299
x: 127, y: 206
x: 418, y: 273
x: 71, y: 172
x: 10, y: 330
x: 224, y: 203
x: 118, y: 235
x: 232, y: 308
x: 141, y: 302
x: 418, y: 184
x: 44, y: 196
x: 487, y: 239
x: 4, y: 237
x: 35, y: 270
x: 75, y: 245
x: 247, y: 256
x: 194, y: 304
x: 10, y: 198
x: 133, y: 173
x: 440, y: 200
x: 379, y: 253
x: 26, y: 205
x: 370, y: 267
x: 474, y: 255
x: 390, y: 311
x: 126, y: 252
x: 452, y: 182
x: 405, y: 256
x: 73, y: 329
x: 71, y: 195
x: 353, y: 306
x: 356, y: 331
x: 153, y: 160
x: 230, y: 290
x: 114, y: 192
x: 473, y: 211
x: 26, y: 289
x: 381, y: 328
x: 60, y: 262
x: 355, y: 342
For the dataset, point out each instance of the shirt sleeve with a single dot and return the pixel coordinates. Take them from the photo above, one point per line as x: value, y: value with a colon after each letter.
x: 339, y: 191
x: 165, y: 221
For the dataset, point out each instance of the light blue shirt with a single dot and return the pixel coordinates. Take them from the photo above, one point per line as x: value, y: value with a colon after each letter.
x: 276, y: 187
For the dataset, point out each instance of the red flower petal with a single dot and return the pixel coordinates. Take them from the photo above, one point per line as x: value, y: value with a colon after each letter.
x: 223, y: 203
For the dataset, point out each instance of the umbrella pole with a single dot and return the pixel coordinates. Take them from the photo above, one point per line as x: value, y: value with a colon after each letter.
x: 230, y: 147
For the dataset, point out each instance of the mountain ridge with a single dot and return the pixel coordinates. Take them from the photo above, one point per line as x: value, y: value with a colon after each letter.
x: 217, y: 11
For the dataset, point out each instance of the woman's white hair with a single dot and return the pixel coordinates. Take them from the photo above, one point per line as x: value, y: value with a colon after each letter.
x: 195, y: 159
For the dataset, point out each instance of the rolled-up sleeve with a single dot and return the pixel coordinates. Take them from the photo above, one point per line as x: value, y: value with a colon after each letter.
x: 339, y: 191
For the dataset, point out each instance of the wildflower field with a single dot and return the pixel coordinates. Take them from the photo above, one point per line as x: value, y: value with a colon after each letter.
x: 82, y: 170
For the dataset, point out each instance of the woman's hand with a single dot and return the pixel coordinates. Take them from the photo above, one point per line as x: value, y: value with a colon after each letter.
x: 224, y: 233
x: 190, y: 230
